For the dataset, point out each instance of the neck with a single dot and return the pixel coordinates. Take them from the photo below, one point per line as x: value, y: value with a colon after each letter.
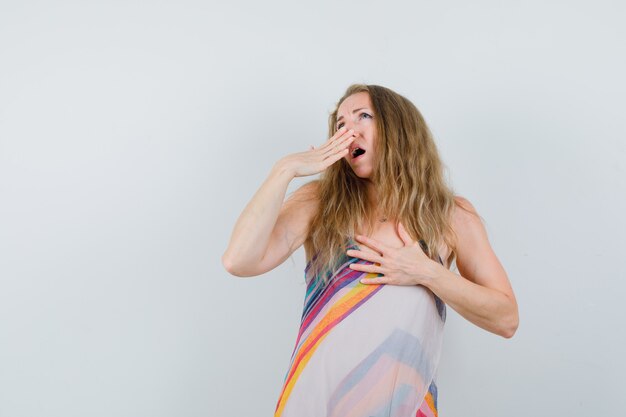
x: 372, y: 197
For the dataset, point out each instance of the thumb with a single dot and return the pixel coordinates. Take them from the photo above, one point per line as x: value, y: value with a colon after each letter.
x: 404, y: 235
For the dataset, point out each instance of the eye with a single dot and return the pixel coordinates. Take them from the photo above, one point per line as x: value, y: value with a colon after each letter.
x: 362, y: 114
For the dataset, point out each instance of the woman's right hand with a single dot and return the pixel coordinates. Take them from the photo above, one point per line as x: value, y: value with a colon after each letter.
x: 314, y: 161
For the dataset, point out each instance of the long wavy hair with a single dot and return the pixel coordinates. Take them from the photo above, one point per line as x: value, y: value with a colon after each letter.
x: 409, y: 178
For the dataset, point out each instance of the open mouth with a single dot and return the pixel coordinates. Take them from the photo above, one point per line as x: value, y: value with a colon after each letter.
x: 357, y: 152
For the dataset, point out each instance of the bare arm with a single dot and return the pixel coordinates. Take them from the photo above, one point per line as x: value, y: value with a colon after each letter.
x: 483, y: 293
x: 267, y: 230
x: 254, y: 226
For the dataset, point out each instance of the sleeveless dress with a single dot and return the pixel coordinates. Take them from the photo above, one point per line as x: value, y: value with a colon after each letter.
x: 364, y: 350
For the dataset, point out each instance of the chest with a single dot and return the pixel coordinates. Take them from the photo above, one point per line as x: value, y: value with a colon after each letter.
x: 387, y: 234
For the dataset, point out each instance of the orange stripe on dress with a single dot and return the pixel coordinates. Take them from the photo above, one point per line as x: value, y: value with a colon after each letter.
x: 342, y: 308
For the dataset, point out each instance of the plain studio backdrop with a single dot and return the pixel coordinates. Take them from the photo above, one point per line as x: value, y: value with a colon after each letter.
x: 133, y: 134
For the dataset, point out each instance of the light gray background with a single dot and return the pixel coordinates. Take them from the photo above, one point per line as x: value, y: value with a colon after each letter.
x: 132, y: 134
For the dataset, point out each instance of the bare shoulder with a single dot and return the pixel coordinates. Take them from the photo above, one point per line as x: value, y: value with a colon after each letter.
x: 462, y: 214
x: 310, y: 188
x: 465, y: 214
x: 306, y: 194
x: 468, y: 227
x: 297, y: 212
x: 476, y: 259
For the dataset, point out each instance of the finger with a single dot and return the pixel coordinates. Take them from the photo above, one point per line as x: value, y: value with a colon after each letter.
x: 365, y: 255
x: 338, y: 147
x: 372, y: 269
x: 361, y: 244
x: 334, y: 140
x: 340, y: 131
x: 404, y: 235
x: 337, y: 135
x: 377, y: 280
x: 424, y: 246
x: 332, y: 158
x: 374, y: 244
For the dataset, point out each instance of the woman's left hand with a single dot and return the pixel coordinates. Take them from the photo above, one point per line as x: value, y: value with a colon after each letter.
x: 408, y: 265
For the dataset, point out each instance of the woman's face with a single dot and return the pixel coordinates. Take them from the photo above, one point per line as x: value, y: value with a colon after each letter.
x: 356, y: 112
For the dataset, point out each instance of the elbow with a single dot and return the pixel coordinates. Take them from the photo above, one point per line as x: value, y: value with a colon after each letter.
x: 509, y: 320
x: 510, y: 327
x: 508, y: 333
x: 230, y: 266
x: 235, y: 269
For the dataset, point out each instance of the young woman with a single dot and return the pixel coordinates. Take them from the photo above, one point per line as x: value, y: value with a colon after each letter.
x: 380, y: 229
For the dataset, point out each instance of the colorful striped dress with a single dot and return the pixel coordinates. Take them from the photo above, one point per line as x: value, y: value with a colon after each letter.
x: 364, y: 350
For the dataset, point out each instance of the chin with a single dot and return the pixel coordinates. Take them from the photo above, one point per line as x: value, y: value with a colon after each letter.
x: 361, y: 173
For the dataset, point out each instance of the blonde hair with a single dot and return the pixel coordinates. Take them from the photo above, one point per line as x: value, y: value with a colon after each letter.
x: 409, y: 179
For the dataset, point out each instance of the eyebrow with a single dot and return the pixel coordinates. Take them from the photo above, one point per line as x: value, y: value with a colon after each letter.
x: 353, y: 111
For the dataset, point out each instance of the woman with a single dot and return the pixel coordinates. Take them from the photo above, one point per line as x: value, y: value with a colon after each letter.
x: 380, y: 230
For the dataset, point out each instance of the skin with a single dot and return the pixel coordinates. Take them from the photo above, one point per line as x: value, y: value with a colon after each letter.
x: 482, y: 293
x: 364, y: 126
x: 269, y: 230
